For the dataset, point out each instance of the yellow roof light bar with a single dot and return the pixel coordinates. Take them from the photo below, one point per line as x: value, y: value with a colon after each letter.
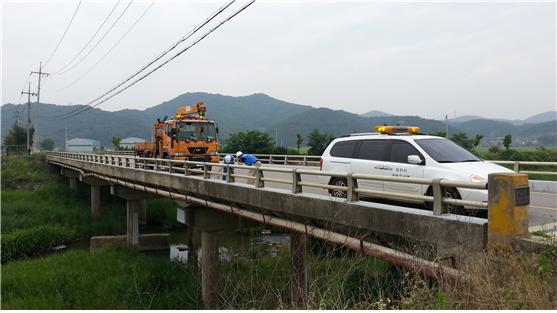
x: 397, y: 129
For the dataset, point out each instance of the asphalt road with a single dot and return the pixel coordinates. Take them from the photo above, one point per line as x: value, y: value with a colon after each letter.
x: 542, y: 210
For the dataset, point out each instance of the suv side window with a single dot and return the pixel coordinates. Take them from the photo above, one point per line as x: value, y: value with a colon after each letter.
x: 344, y: 149
x: 400, y: 150
x: 372, y: 150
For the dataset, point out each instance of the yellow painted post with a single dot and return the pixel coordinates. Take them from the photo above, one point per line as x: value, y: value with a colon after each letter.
x: 508, y: 200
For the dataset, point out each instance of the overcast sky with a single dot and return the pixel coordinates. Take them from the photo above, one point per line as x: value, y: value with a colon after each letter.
x: 406, y: 58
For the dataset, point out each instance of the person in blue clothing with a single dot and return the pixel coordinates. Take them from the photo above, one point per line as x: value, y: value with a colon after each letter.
x: 250, y: 160
x: 228, y: 159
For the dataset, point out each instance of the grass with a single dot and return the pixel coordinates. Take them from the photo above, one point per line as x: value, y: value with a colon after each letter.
x: 115, y: 279
x: 43, y: 198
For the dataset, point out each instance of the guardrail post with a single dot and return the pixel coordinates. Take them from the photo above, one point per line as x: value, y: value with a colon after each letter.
x: 170, y: 166
x: 259, y: 183
x: 156, y: 167
x: 352, y: 185
x: 516, y: 166
x: 270, y: 159
x: 206, y: 169
x: 229, y: 173
x: 286, y: 160
x: 305, y: 162
x: 127, y: 162
x: 438, y: 193
x: 186, y: 168
x: 296, y: 179
x: 508, y: 200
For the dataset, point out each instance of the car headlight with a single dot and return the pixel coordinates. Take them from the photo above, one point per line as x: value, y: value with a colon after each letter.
x: 478, y: 179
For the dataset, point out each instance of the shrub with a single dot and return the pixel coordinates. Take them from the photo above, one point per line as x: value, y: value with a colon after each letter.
x: 24, y: 243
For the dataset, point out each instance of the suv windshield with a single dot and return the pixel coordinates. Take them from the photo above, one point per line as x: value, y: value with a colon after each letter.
x: 195, y: 131
x: 445, y: 151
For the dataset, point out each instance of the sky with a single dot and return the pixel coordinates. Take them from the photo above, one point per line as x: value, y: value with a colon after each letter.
x: 427, y: 58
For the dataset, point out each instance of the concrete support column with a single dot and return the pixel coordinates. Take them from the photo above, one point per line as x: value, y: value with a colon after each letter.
x: 132, y: 208
x: 142, y: 211
x: 209, y: 269
x: 192, y: 248
x: 298, y: 245
x: 73, y: 183
x: 95, y: 200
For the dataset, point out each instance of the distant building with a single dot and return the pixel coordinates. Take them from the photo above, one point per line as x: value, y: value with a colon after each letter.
x: 82, y: 145
x: 128, y: 143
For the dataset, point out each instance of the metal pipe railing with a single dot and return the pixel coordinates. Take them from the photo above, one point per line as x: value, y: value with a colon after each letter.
x: 258, y: 178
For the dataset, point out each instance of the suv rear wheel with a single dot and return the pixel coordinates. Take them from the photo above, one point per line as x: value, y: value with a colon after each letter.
x: 339, y: 182
x: 450, y: 193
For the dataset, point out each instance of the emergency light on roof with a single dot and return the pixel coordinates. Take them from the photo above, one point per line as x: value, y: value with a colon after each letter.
x: 397, y: 129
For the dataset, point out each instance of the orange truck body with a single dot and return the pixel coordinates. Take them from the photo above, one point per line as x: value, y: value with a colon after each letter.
x: 188, y: 135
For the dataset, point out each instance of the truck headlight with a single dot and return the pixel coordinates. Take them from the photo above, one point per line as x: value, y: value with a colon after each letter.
x: 478, y: 179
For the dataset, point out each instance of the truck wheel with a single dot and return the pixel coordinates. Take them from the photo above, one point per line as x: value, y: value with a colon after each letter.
x: 340, y: 182
x: 451, y: 193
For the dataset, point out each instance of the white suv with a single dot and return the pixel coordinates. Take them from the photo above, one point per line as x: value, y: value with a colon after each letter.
x: 406, y: 155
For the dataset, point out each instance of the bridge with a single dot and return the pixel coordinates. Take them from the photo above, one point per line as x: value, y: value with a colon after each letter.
x: 289, y: 195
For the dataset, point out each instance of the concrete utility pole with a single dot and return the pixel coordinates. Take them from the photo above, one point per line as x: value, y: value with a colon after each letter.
x: 29, y: 94
x: 447, y: 125
x: 40, y: 73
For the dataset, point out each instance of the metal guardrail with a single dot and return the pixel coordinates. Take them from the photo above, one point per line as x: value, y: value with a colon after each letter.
x: 312, y: 160
x: 256, y: 176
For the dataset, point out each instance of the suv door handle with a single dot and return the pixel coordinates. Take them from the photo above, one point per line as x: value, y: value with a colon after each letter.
x: 379, y: 167
x: 387, y: 168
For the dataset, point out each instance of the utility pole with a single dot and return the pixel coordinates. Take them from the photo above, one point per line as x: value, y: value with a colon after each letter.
x: 40, y: 74
x: 29, y: 94
x: 447, y: 125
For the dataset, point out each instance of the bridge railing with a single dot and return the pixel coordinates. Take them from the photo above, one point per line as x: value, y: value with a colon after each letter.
x: 345, y: 186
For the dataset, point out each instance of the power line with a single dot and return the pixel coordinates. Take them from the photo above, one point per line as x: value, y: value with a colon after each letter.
x: 90, y: 39
x: 99, y: 41
x: 161, y: 55
x: 89, y: 107
x: 108, y: 52
x: 64, y: 34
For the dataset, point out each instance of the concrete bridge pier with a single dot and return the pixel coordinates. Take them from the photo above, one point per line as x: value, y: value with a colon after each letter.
x: 95, y: 184
x: 72, y: 176
x: 299, y: 287
x: 136, y: 208
x: 209, y: 222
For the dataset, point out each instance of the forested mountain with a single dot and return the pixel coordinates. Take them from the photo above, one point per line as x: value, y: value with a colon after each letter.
x: 258, y: 112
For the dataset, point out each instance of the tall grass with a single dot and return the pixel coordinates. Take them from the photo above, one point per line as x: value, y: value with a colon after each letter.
x: 34, y: 195
x: 113, y: 279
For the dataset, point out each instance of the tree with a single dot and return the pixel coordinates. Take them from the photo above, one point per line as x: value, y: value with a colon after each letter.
x: 116, y: 142
x: 251, y: 141
x: 507, y: 141
x: 476, y: 141
x: 318, y: 142
x: 462, y: 140
x: 299, y: 141
x: 16, y: 139
x: 47, y: 144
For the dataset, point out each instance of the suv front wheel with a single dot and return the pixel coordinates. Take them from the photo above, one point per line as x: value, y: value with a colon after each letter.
x: 450, y: 193
x: 339, y: 182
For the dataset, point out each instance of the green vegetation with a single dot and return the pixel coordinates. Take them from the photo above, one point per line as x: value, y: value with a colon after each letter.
x: 115, y: 279
x: 318, y: 142
x: 32, y: 241
x: 47, y: 144
x: 17, y: 135
x: 39, y: 210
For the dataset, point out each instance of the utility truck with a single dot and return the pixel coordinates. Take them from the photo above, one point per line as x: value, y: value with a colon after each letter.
x: 188, y: 135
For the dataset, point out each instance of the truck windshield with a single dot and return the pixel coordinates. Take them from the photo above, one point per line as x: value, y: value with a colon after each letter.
x: 446, y: 151
x: 195, y: 131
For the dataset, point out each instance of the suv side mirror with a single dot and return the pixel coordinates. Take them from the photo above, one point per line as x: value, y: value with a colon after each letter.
x: 414, y: 159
